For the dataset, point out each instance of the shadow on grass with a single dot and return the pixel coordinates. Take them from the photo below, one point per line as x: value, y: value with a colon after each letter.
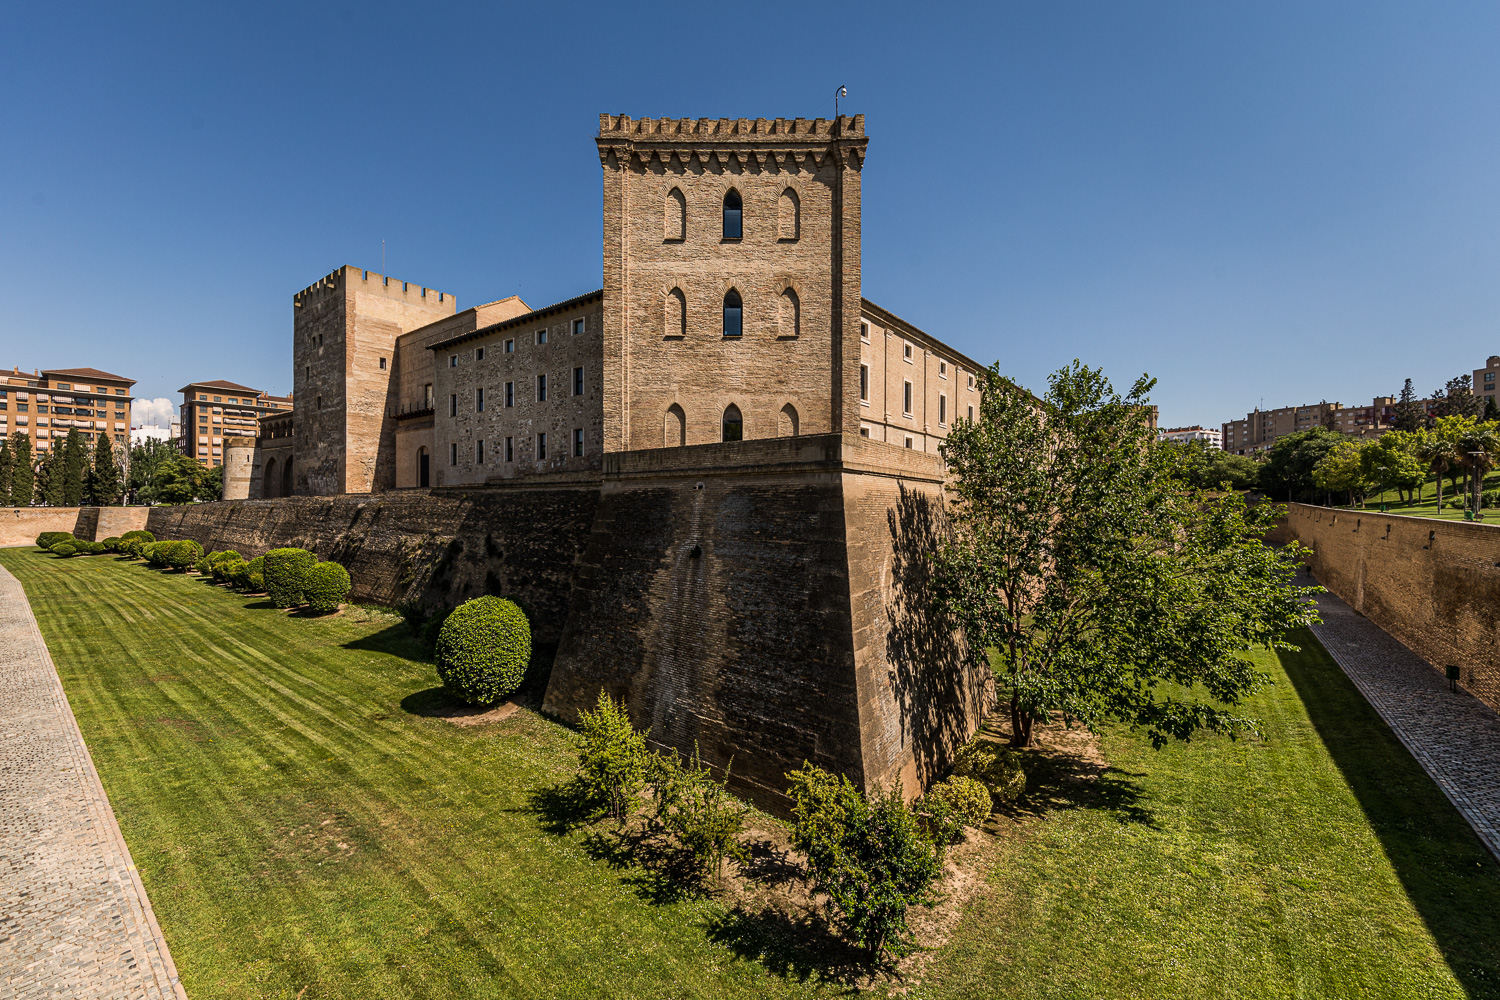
x: 563, y: 808
x: 801, y: 948
x: 1448, y: 875
x: 1058, y: 778
x: 657, y: 870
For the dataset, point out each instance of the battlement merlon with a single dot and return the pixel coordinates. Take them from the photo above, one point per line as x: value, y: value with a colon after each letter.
x: 339, y: 279
x: 725, y: 139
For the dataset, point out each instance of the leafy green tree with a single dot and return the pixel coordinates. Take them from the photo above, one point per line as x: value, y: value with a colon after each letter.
x: 1105, y: 588
x: 23, y: 474
x: 698, y: 810
x: 147, y: 462
x: 1391, y: 462
x: 1491, y: 411
x: 1288, y: 469
x: 104, y: 479
x: 1410, y: 414
x: 870, y: 856
x: 1203, y: 467
x: 1479, y: 447
x: 612, y: 760
x: 1342, y: 471
x: 7, y: 469
x: 180, y: 479
x: 74, y: 469
x: 211, y: 484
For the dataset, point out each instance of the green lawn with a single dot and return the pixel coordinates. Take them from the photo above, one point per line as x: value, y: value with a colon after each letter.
x: 1428, y: 505
x: 303, y: 830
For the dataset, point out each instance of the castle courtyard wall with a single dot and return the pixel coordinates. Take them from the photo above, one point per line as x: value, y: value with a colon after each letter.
x: 21, y: 525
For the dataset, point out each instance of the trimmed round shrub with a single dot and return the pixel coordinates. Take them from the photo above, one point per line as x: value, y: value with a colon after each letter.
x: 47, y: 539
x: 138, y: 535
x: 218, y: 560
x: 997, y: 769
x: 63, y: 549
x: 255, y: 582
x: 233, y: 572
x: 967, y: 798
x: 285, y: 571
x: 180, y: 555
x: 111, y: 544
x: 203, y: 567
x: 483, y: 649
x: 155, y: 554
x: 96, y: 548
x: 326, y: 586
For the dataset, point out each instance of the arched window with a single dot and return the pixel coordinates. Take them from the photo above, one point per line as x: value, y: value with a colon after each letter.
x: 286, y: 479
x: 789, y: 216
x: 674, y: 221
x: 734, y: 424
x: 786, y: 424
x: 733, y: 227
x: 675, y: 314
x: 268, y: 481
x: 674, y: 435
x: 733, y: 314
x: 789, y: 315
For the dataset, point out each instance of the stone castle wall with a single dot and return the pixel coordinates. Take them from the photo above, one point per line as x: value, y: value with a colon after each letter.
x: 1434, y: 585
x: 21, y: 525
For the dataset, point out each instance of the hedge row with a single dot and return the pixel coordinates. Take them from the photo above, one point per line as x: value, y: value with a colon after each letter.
x: 291, y: 577
x: 62, y: 544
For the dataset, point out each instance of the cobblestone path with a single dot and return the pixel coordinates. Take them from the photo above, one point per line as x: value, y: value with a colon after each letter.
x: 74, y: 918
x: 1455, y: 737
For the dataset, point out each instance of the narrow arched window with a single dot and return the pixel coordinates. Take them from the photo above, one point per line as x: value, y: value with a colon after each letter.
x: 675, y: 324
x: 734, y: 424
x: 286, y: 478
x: 786, y: 424
x: 789, y: 315
x: 733, y: 228
x: 268, y: 480
x: 674, y: 434
x: 789, y: 216
x: 674, y: 221
x: 733, y: 314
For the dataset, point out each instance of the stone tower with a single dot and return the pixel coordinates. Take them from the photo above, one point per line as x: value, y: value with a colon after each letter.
x: 343, y: 352
x: 731, y: 278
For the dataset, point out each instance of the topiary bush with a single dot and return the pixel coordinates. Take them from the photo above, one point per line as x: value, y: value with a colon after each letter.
x: 96, y: 548
x: 112, y: 543
x: 180, y: 555
x: 203, y: 567
x: 951, y: 805
x: 155, y: 554
x: 285, y: 571
x: 997, y: 769
x: 63, y: 549
x: 255, y: 578
x: 47, y: 539
x: 326, y: 586
x: 483, y: 649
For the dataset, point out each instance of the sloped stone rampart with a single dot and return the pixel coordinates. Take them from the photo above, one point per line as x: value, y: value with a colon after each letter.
x: 1433, y: 585
x: 21, y: 525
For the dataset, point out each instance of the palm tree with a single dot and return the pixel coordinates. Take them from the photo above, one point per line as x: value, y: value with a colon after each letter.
x: 1440, y: 455
x: 1478, y: 449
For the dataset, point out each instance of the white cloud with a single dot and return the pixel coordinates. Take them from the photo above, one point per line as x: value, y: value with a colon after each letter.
x: 156, y: 412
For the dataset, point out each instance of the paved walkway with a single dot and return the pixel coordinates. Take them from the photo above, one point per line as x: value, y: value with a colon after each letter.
x: 74, y: 918
x: 1455, y: 737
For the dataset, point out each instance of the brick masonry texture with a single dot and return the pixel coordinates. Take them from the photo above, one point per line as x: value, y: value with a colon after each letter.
x: 1455, y: 737
x: 1434, y: 585
x: 74, y: 918
x: 21, y: 525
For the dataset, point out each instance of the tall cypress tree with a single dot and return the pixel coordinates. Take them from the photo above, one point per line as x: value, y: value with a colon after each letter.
x: 22, y: 475
x: 49, y: 477
x: 7, y: 463
x: 104, y: 482
x: 1410, y: 415
x: 75, y: 463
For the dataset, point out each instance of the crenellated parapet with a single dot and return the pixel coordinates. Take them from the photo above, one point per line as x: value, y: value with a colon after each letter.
x: 336, y: 282
x: 716, y: 143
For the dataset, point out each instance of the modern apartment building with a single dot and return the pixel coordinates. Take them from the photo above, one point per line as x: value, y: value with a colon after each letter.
x: 213, y: 410
x: 1182, y: 435
x: 1485, y: 379
x: 47, y: 404
x: 1262, y: 428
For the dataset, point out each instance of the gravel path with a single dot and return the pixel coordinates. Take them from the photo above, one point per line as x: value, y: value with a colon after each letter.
x: 74, y: 918
x: 1455, y: 737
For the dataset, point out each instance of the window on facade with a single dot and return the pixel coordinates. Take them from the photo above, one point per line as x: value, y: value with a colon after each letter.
x: 786, y: 422
x: 942, y: 409
x: 943, y: 369
x: 674, y: 323
x: 541, y: 388
x: 906, y: 398
x: 864, y: 383
x: 971, y: 381
x: 453, y: 453
x: 971, y: 414
x: 674, y: 434
x: 734, y: 424
x: 577, y: 326
x: 541, y: 447
x: 789, y: 314
x: 541, y: 336
x: 453, y: 405
x: 319, y: 402
x: 578, y: 442
x: 427, y: 395
x: 382, y: 364
x: 478, y: 400
x: 510, y: 346
x: 906, y: 351
x: 864, y: 332
x: 733, y: 314
x: 908, y: 442
x: 788, y: 216
x: 510, y: 394
x: 733, y: 228
x: 578, y: 381
x: 218, y: 400
x: 453, y: 361
x: 674, y: 217
x: 478, y: 354
x: 510, y: 451
x: 479, y: 452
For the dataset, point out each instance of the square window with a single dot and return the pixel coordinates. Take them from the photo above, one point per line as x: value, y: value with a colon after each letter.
x: 578, y: 442
x: 577, y: 326
x: 510, y: 454
x: 578, y: 381
x: 510, y: 394
x: 478, y: 354
x: 541, y: 336
x: 541, y: 388
x: 453, y: 361
x: 453, y: 453
x: 541, y: 447
x: 864, y: 432
x: 510, y: 347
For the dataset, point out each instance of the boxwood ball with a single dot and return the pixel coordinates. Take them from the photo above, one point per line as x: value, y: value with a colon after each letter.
x: 483, y: 649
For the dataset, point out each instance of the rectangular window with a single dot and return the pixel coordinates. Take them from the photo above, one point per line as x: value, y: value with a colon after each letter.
x: 479, y: 452
x: 906, y: 398
x: 453, y: 361
x: 864, y: 383
x: 541, y: 336
x: 453, y: 453
x: 478, y: 400
x: 908, y: 442
x: 541, y: 447
x: 906, y: 351
x: 478, y: 354
x: 541, y: 388
x: 971, y: 414
x: 942, y: 369
x: 510, y: 347
x: 510, y: 452
x: 943, y: 410
x: 577, y: 326
x: 864, y: 333
x: 427, y: 396
x: 382, y: 364
x: 578, y: 381
x: 578, y: 442
x: 453, y: 405
x: 510, y: 394
x: 971, y: 381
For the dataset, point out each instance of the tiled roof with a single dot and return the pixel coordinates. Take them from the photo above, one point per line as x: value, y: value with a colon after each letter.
x: 221, y: 384
x: 86, y: 373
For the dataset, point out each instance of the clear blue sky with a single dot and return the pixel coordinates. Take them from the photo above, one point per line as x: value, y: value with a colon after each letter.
x: 1283, y: 200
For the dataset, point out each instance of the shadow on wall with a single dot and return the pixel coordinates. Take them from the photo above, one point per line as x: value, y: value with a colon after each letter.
x: 940, y: 697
